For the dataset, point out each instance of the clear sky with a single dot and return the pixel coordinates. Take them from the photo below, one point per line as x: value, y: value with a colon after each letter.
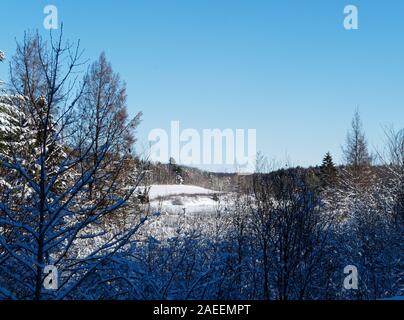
x: 287, y: 68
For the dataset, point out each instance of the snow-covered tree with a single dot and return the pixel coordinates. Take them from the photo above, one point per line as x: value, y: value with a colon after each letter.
x: 56, y: 224
x: 15, y: 133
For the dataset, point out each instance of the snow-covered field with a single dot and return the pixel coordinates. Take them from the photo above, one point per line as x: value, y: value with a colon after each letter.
x: 181, y: 207
x: 165, y: 190
x: 180, y: 199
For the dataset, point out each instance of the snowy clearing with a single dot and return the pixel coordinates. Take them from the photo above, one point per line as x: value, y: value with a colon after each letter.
x: 166, y: 190
x: 180, y: 199
x: 174, y: 203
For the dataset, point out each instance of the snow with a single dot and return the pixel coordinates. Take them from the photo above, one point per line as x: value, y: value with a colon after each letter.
x: 189, y: 204
x: 179, y: 204
x: 157, y: 191
x: 180, y: 199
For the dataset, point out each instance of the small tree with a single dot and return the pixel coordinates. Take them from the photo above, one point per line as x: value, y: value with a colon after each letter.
x: 357, y: 156
x: 356, y: 150
x: 328, y: 170
x: 176, y: 170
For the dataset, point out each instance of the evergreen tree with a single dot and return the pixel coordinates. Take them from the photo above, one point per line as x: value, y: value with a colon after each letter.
x: 176, y: 171
x: 328, y: 170
x: 12, y: 123
x: 13, y: 127
x: 21, y: 131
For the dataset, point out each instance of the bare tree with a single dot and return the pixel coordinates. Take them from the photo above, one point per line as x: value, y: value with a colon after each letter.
x: 291, y: 232
x: 356, y: 150
x: 103, y: 114
x: 394, y: 167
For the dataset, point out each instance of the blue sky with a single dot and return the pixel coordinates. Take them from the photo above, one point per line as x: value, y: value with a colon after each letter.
x: 287, y: 68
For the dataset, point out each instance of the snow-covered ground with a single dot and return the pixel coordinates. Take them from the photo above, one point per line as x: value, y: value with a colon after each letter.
x: 181, y: 207
x: 165, y: 190
x: 180, y: 199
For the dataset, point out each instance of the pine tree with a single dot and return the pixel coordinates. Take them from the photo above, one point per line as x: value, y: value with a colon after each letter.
x: 21, y: 133
x: 12, y: 123
x: 176, y: 171
x: 9, y: 118
x: 328, y: 170
x: 13, y: 127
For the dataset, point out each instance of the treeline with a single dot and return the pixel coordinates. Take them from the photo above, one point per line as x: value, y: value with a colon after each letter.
x: 172, y: 173
x: 289, y: 235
